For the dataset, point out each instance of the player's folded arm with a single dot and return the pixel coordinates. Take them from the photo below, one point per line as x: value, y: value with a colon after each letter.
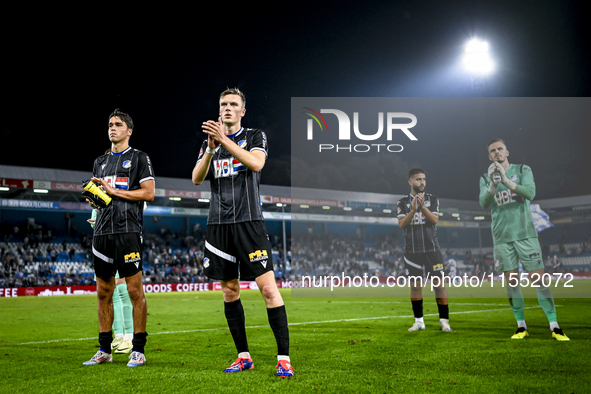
x: 146, y: 192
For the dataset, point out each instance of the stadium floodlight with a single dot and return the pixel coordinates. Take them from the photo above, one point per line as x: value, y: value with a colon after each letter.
x: 4, y: 189
x: 477, y: 58
x: 41, y: 191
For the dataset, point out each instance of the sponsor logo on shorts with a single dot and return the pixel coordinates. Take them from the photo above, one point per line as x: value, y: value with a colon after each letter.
x: 496, y: 263
x: 437, y: 267
x: 258, y: 256
x: 133, y: 257
x: 205, y: 262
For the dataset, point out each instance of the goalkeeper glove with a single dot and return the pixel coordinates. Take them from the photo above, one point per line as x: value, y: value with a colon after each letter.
x: 95, y: 194
x: 509, y: 184
x: 492, y: 174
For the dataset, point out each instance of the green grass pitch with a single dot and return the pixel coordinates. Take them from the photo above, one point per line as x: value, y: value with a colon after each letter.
x: 337, y: 345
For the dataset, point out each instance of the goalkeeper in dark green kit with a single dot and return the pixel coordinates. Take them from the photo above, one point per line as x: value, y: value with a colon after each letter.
x: 508, y: 190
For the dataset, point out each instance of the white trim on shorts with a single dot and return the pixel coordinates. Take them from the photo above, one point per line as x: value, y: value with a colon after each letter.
x: 412, y: 264
x: 102, y: 256
x: 219, y: 253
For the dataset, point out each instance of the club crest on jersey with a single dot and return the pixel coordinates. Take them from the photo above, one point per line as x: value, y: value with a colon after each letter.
x: 227, y: 167
x: 127, y: 164
x: 242, y: 144
x: 427, y: 204
x: 513, y: 177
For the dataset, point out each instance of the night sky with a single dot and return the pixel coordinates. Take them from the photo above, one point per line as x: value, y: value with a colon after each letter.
x: 67, y: 69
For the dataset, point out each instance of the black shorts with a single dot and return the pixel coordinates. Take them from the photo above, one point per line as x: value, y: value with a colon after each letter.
x: 431, y: 262
x: 240, y: 250
x: 117, y: 252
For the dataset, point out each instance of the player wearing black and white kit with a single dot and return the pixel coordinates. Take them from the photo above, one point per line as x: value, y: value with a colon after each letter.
x: 126, y: 175
x: 237, y: 245
x: 235, y: 226
x: 118, y: 227
x: 418, y: 214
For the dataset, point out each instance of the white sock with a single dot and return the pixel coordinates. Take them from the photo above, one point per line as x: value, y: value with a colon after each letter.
x: 244, y: 355
x: 521, y: 323
x: 118, y: 335
x: 419, y: 320
x: 286, y: 358
x: 443, y: 320
x: 553, y: 325
x: 128, y: 336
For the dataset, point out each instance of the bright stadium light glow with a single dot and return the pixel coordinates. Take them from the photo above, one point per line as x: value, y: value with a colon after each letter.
x: 4, y: 189
x: 477, y: 58
x: 304, y: 206
x: 41, y: 191
x: 347, y: 208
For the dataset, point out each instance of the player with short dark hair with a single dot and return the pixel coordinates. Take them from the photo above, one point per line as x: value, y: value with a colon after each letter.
x: 126, y: 175
x: 237, y: 244
x: 508, y: 189
x: 418, y: 215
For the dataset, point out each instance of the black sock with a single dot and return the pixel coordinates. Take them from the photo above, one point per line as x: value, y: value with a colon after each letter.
x: 139, y: 341
x: 278, y: 323
x: 443, y: 311
x: 105, y: 339
x: 417, y: 308
x: 235, y: 317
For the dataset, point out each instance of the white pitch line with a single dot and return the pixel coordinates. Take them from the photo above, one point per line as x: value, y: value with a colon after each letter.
x: 408, y: 302
x: 266, y: 325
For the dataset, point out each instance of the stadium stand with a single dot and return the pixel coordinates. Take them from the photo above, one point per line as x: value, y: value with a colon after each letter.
x: 44, y: 238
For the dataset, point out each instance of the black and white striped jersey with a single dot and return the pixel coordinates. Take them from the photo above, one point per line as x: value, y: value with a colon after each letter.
x: 125, y: 170
x: 235, y: 194
x: 420, y: 236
